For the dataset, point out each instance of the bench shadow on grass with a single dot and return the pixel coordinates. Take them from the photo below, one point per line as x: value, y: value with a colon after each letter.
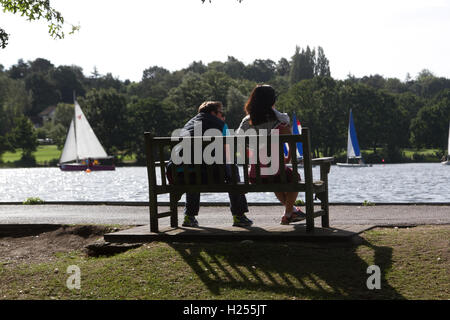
x: 280, y: 270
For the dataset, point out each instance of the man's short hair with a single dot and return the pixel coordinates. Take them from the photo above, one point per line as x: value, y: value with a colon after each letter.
x: 210, y: 106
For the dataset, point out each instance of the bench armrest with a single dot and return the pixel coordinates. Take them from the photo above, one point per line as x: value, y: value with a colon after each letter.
x: 322, y: 160
x: 158, y: 163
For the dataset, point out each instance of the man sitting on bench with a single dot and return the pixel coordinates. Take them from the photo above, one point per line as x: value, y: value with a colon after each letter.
x: 210, y: 116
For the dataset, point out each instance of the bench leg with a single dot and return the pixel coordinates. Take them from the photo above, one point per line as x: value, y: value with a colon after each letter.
x: 325, y: 208
x: 153, y: 206
x: 174, y: 210
x: 309, y: 212
x: 324, y: 170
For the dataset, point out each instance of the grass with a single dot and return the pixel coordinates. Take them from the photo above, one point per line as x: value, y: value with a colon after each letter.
x: 428, y: 155
x: 414, y: 264
x: 47, y: 153
x: 44, y: 153
x: 417, y: 155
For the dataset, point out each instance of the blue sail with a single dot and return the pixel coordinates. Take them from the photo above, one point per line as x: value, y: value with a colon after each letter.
x: 296, y: 130
x: 352, y: 143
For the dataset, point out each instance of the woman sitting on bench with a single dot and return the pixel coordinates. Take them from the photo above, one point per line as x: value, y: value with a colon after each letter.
x: 261, y: 114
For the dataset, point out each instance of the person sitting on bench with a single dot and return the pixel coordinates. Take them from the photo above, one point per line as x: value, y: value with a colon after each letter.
x: 261, y: 114
x: 210, y: 116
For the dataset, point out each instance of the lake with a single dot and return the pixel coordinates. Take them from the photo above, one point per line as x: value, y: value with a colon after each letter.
x: 389, y: 183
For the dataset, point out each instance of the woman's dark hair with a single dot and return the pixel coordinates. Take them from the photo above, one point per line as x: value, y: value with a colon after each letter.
x: 259, y: 104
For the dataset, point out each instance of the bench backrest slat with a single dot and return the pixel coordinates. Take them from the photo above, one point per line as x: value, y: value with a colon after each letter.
x: 162, y: 168
x: 157, y: 148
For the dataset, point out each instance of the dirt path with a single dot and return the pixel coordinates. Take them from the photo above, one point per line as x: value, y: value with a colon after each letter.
x: 41, y: 243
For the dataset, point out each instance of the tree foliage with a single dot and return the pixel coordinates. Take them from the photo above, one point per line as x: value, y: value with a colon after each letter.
x: 24, y: 137
x: 35, y: 10
x: 105, y: 110
x: 389, y: 114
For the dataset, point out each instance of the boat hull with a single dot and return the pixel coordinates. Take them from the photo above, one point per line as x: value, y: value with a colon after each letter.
x: 83, y: 167
x: 353, y: 165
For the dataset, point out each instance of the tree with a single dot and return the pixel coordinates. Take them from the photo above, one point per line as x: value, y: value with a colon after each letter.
x: 376, y: 115
x: 5, y: 144
x: 430, y: 127
x: 234, y: 68
x: 283, y: 67
x: 197, y: 67
x: 156, y: 83
x: 317, y: 104
x: 64, y: 114
x: 375, y: 81
x: 14, y: 101
x: 67, y: 80
x: 19, y: 70
x: 322, y: 68
x: 106, y: 112
x: 302, y: 65
x: 35, y: 10
x: 219, y: 83
x: 146, y: 115
x: 41, y: 65
x: 261, y: 70
x: 58, y: 134
x: 185, y: 99
x: 234, y: 107
x: 25, y: 137
x: 97, y: 81
x: 394, y: 85
x: 44, y: 92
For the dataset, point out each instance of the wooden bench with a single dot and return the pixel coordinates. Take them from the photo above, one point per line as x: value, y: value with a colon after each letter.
x: 158, y: 149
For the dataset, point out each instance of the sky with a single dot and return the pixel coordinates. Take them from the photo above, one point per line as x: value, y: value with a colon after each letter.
x: 391, y: 38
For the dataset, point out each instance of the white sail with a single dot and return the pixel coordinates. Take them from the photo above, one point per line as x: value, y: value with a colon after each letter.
x: 448, y: 147
x: 88, y: 145
x: 69, y: 152
x: 81, y: 141
x: 352, y: 141
x: 353, y: 151
x: 350, y: 150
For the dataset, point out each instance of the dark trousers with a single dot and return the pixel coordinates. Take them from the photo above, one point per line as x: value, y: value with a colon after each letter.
x: 238, y: 201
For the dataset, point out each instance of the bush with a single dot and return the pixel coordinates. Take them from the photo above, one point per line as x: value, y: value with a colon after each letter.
x: 27, y: 160
x: 33, y: 201
x: 417, y: 157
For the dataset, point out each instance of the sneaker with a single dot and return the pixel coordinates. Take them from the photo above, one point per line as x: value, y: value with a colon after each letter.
x: 241, y: 221
x: 190, y: 221
x: 285, y: 220
x: 295, y: 217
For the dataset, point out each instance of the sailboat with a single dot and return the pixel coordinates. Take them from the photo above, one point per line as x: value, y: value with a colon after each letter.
x: 82, y: 150
x: 296, y: 129
x: 447, y: 162
x: 353, y: 151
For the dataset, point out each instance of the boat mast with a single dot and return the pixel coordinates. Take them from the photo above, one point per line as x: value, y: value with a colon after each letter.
x: 448, y: 147
x: 348, y: 131
x: 74, y: 124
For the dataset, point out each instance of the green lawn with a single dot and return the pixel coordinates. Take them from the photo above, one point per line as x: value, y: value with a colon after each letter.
x: 414, y: 264
x: 44, y: 153
x: 427, y: 154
